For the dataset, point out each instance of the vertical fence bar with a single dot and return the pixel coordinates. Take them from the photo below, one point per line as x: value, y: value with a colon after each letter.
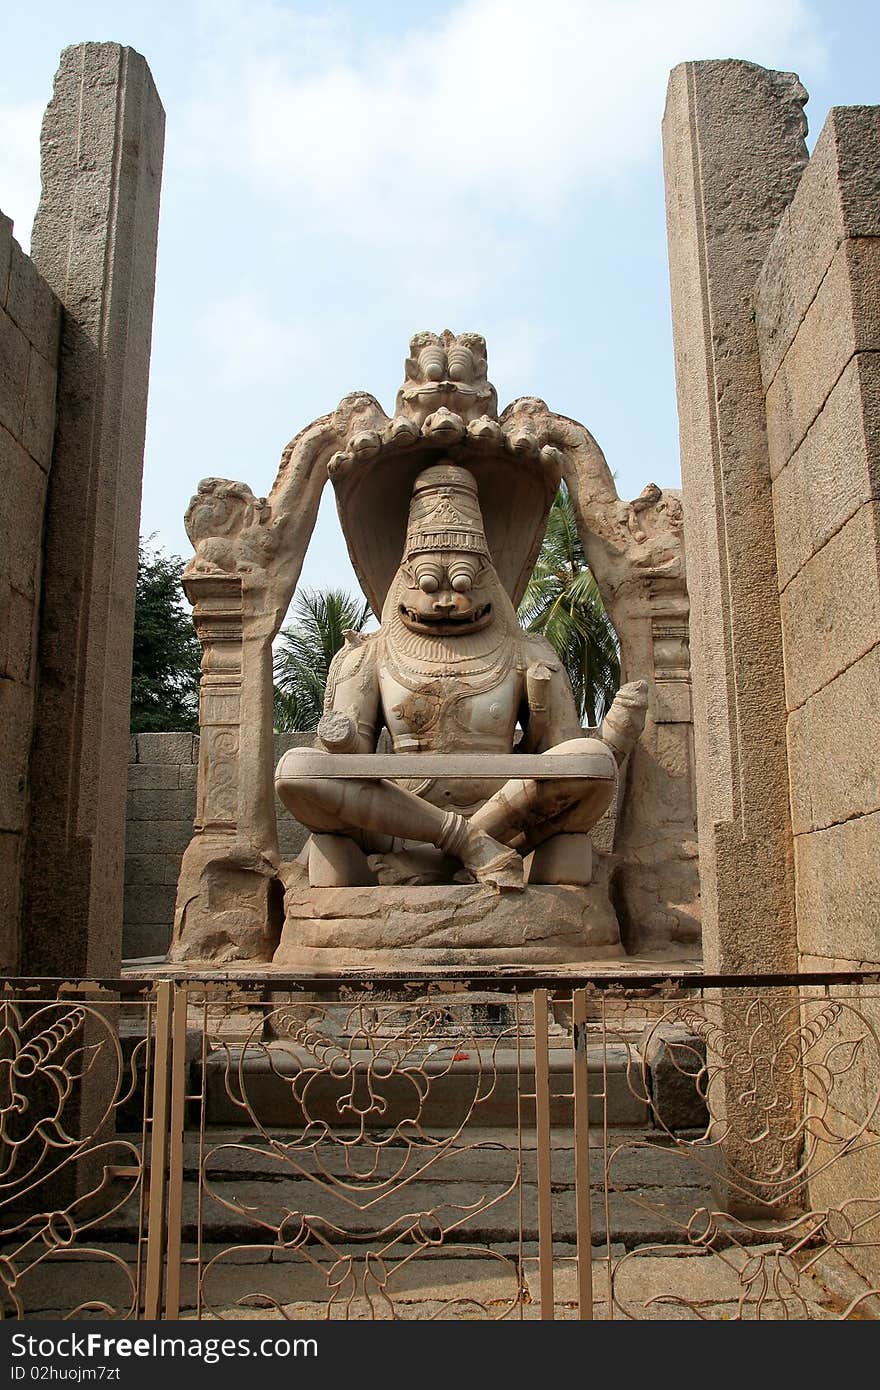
x: 542, y: 1138
x: 583, y: 1216
x: 606, y: 1184
x: 175, y: 1152
x: 143, y: 1194
x: 158, y: 1150
x: 518, y: 1015
x: 202, y: 1101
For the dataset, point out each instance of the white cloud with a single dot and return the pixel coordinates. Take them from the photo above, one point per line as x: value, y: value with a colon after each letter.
x: 20, y: 165
x: 501, y: 109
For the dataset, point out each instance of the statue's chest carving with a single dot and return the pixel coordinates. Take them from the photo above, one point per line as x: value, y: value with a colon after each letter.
x: 443, y: 714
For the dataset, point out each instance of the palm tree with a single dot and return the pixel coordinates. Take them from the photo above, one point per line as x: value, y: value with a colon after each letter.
x: 306, y: 646
x: 562, y: 601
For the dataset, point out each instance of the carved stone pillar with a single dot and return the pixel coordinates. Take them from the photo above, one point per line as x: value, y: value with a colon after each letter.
x: 656, y: 888
x: 94, y: 243
x: 232, y: 907
x: 734, y: 154
x: 218, y: 622
x: 248, y: 556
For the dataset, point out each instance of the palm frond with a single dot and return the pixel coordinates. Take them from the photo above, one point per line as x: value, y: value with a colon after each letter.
x: 562, y: 602
x: 305, y: 649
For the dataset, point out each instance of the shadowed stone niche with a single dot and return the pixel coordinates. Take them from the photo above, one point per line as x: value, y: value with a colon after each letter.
x: 496, y: 830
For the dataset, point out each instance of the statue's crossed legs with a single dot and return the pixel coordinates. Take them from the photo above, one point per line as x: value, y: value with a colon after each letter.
x: 490, y: 844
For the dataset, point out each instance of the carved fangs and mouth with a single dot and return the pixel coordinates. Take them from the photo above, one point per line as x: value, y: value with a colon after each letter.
x: 457, y: 622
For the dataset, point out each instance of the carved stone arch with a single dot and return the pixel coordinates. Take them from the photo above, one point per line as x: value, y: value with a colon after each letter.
x: 248, y: 557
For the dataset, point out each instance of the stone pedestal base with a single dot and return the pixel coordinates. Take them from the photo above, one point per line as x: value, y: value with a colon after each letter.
x: 453, y: 925
x: 228, y: 903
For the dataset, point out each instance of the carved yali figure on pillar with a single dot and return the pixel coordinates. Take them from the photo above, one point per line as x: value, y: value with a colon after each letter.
x: 451, y: 672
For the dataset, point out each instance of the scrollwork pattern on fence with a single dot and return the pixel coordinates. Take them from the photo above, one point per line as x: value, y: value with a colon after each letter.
x: 789, y: 1148
x: 370, y: 1118
x: 66, y: 1178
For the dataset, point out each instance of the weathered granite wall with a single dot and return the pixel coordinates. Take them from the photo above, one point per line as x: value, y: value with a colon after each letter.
x: 734, y: 152
x: 159, y: 821
x: 29, y: 327
x: 775, y: 268
x: 818, y: 318
x: 75, y: 330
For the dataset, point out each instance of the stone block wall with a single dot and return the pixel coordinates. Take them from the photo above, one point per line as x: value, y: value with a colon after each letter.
x: 817, y: 311
x: 159, y: 823
x: 775, y: 265
x: 29, y: 328
x: 775, y: 269
x: 818, y: 319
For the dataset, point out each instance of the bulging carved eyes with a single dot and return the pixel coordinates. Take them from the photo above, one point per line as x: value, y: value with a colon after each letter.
x: 432, y: 360
x: 461, y: 576
x: 461, y: 363
x: 431, y: 575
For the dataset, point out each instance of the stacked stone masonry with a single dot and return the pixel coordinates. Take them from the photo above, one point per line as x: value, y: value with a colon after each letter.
x: 29, y: 328
x: 159, y: 821
x: 805, y: 242
x: 818, y: 318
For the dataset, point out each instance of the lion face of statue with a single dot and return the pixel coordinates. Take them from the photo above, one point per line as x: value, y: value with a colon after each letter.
x: 445, y: 593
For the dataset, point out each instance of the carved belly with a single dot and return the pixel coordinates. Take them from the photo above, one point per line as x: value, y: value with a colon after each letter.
x: 442, y: 716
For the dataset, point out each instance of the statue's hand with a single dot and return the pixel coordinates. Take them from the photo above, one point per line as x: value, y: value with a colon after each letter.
x: 337, y: 733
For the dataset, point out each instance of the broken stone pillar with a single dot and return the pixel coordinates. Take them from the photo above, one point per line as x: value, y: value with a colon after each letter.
x: 733, y: 136
x: 656, y: 887
x: 94, y: 243
x: 240, y: 583
x: 734, y: 153
x: 228, y: 888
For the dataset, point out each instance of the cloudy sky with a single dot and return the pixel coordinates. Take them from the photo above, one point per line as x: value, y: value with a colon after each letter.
x: 339, y: 175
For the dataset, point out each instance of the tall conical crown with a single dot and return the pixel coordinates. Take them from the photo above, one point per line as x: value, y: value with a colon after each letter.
x: 444, y: 513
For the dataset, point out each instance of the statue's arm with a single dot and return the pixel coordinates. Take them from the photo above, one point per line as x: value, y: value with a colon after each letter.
x: 351, y: 700
x: 549, y: 705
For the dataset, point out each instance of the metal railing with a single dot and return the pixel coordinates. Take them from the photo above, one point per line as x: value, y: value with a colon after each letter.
x: 622, y: 1147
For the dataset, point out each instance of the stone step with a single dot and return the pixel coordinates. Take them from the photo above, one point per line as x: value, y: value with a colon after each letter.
x: 261, y: 1282
x: 254, y: 1189
x: 435, y: 1225
x: 478, y: 1084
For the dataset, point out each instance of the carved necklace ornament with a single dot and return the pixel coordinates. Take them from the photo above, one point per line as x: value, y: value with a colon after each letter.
x: 433, y: 712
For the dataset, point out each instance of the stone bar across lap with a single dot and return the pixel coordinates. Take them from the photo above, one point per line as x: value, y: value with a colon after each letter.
x: 394, y: 765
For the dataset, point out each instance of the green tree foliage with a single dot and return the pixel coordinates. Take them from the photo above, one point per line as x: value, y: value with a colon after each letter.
x: 562, y: 602
x: 304, y: 650
x: 166, y: 654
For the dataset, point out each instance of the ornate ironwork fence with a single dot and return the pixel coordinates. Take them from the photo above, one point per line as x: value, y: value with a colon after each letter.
x: 617, y: 1148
